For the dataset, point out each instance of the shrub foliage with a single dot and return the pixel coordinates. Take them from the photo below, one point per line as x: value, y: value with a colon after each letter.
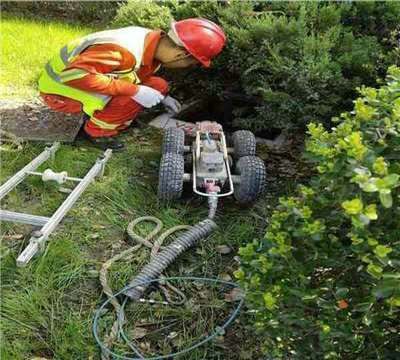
x: 325, y: 280
x: 91, y: 13
x: 299, y: 60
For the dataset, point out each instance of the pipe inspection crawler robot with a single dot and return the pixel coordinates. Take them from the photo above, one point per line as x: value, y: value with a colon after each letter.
x: 217, y: 170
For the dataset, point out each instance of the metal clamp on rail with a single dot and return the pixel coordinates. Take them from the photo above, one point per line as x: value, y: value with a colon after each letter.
x: 50, y: 175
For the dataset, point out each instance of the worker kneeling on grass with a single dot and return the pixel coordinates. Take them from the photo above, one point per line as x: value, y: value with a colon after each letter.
x: 109, y: 74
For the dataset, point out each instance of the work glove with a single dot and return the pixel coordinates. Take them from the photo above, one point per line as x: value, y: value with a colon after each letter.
x: 172, y: 105
x: 147, y: 96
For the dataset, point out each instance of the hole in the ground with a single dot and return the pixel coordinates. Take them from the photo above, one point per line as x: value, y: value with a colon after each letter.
x: 223, y: 109
x: 269, y: 134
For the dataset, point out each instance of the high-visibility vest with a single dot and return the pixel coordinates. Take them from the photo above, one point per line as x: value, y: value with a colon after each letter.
x: 53, y: 77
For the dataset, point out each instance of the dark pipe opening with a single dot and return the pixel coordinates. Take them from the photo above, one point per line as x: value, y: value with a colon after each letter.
x: 222, y: 110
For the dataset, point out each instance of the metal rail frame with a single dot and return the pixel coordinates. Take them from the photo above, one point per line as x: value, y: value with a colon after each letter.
x: 49, y: 224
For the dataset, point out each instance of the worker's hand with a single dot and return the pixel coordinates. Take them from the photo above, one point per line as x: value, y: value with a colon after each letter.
x: 172, y: 105
x: 147, y: 96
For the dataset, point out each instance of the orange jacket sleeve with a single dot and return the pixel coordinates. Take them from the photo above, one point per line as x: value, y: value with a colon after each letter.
x: 99, y: 60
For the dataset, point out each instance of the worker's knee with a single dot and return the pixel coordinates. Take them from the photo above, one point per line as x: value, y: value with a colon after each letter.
x: 157, y: 83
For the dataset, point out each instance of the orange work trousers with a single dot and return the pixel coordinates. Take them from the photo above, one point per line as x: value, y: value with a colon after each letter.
x: 120, y: 111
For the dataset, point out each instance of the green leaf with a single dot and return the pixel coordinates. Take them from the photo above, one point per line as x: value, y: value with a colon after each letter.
x: 392, y: 180
x: 352, y: 207
x: 380, y: 166
x: 269, y: 301
x: 382, y: 250
x: 326, y: 329
x: 369, y: 186
x: 388, y: 182
x: 391, y: 276
x: 375, y: 271
x: 386, y: 199
x: 363, y: 111
x: 355, y: 240
x: 239, y: 274
x: 370, y: 212
x: 395, y: 301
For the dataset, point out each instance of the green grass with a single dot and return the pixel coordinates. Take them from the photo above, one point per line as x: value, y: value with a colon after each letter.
x: 26, y: 46
x: 47, y: 307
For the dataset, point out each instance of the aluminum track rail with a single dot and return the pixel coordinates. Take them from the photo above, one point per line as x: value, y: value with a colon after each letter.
x: 48, y: 224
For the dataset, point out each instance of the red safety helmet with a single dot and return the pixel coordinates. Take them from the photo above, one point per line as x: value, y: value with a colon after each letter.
x: 202, y: 38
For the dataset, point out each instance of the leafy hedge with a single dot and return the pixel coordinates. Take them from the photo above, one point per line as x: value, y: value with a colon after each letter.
x: 87, y: 12
x: 301, y: 61
x: 325, y: 280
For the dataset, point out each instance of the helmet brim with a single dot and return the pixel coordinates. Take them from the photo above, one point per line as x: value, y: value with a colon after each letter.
x: 205, y: 63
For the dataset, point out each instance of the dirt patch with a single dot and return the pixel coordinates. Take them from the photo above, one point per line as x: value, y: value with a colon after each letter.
x: 33, y: 120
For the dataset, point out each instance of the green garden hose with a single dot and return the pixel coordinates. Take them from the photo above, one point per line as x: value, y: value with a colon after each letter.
x: 151, y: 273
x: 126, y: 256
x: 218, y: 331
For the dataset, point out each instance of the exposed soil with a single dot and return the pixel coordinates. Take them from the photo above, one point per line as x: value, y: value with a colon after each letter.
x: 33, y: 120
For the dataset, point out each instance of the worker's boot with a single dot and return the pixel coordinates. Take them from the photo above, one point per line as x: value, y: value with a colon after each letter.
x: 100, y: 142
x: 107, y: 143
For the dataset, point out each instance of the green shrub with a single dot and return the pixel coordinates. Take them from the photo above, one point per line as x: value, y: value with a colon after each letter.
x: 89, y: 13
x: 144, y: 13
x: 299, y: 60
x: 304, y: 66
x: 325, y: 280
x: 157, y: 14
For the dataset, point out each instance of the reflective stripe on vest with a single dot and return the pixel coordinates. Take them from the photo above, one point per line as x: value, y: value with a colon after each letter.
x: 57, y: 78
x: 64, y: 55
x: 129, y: 75
x: 72, y: 74
x: 102, y: 124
